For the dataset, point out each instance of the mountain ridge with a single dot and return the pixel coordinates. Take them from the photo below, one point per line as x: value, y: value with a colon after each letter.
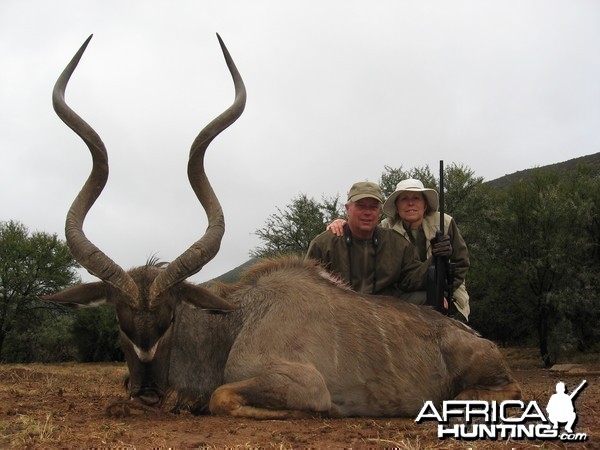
x: 567, y: 166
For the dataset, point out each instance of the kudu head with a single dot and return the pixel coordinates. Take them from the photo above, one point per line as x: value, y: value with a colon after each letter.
x: 145, y: 298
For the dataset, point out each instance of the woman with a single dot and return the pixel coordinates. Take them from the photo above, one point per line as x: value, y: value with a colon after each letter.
x: 412, y: 211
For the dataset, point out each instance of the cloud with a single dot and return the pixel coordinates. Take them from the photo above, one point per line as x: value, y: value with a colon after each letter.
x: 336, y: 91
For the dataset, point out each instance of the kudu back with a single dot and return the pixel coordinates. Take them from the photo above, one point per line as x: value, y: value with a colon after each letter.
x: 286, y: 340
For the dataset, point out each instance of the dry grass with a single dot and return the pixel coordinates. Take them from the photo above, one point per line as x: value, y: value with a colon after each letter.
x: 62, y: 406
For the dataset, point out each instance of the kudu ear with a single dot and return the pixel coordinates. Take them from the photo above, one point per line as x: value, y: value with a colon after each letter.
x: 202, y: 298
x: 88, y: 294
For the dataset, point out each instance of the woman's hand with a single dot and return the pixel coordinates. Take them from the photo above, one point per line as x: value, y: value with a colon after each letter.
x: 337, y: 227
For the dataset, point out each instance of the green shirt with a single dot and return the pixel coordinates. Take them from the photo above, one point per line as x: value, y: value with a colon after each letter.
x: 385, y: 265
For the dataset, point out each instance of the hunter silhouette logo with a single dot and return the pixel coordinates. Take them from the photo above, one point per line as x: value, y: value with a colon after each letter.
x: 560, y: 407
x: 510, y: 419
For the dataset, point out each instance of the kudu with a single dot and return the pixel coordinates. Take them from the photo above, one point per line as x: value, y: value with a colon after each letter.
x: 290, y: 341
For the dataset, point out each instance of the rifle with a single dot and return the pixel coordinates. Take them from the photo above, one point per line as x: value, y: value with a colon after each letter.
x: 440, y: 275
x: 576, y: 391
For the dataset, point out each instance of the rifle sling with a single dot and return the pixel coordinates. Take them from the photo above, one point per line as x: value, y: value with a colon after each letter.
x: 375, y: 241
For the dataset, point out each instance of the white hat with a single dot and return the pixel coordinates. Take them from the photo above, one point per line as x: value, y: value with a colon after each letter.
x: 410, y: 185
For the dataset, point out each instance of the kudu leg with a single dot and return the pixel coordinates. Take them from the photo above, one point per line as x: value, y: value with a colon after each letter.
x: 283, y: 391
x: 483, y: 372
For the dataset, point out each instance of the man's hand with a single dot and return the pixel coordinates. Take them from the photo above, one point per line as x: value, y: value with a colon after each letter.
x: 441, y: 246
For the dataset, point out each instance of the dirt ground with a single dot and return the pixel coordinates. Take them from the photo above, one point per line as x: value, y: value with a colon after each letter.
x: 64, y: 406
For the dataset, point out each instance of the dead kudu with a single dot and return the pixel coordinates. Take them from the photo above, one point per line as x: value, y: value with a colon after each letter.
x: 290, y: 342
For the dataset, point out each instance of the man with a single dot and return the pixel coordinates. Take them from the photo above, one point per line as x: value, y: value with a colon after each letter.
x: 374, y: 260
x: 560, y: 407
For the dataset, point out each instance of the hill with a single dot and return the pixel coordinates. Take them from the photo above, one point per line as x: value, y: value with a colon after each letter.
x: 566, y: 166
x: 234, y: 274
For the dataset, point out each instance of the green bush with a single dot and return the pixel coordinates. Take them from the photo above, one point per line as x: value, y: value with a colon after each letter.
x: 97, y: 334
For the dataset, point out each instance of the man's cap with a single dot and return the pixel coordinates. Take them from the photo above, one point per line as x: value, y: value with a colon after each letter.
x: 365, y: 189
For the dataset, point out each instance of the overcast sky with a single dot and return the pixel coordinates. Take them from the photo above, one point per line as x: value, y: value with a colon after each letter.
x: 336, y: 91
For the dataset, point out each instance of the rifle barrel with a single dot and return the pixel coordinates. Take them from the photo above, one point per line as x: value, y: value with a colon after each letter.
x: 576, y: 391
x: 442, y: 196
